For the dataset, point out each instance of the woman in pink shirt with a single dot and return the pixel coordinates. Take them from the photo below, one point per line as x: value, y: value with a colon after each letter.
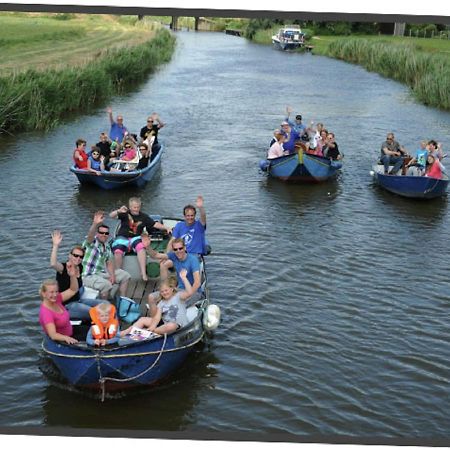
x: 433, y: 169
x: 53, y: 316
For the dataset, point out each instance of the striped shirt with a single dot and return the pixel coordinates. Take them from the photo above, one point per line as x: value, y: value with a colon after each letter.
x: 96, y: 255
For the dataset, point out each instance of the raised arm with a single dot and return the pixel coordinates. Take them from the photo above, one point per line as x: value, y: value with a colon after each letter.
x: 201, y: 208
x: 56, y: 241
x: 114, y: 214
x: 189, y: 288
x: 73, y: 272
x: 146, y: 241
x: 98, y: 219
x: 110, y: 114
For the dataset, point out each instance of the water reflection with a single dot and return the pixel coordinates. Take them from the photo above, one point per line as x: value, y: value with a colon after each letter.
x: 167, y: 407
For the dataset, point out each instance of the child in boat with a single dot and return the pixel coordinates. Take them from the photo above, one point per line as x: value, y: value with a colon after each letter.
x: 105, y: 328
x: 171, y: 308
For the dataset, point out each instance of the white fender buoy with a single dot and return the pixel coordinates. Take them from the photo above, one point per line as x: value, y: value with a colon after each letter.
x: 372, y: 173
x: 211, y: 318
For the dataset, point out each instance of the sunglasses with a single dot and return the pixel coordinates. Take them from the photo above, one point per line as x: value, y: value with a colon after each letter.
x: 105, y: 233
x: 178, y: 249
x: 75, y: 255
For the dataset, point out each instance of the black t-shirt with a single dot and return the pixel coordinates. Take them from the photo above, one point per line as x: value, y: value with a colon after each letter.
x: 143, y: 163
x: 333, y: 153
x: 105, y: 148
x: 63, y: 280
x: 145, y: 132
x: 132, y: 226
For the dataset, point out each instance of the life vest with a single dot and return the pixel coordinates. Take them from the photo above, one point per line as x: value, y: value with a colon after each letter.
x: 102, y: 330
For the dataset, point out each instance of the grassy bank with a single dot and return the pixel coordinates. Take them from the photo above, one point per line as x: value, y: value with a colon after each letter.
x: 71, y: 64
x: 423, y: 66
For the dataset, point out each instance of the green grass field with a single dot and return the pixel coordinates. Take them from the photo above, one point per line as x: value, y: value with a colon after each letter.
x: 43, y: 41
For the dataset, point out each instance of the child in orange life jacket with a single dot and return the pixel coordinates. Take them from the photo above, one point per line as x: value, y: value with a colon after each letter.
x: 105, y: 326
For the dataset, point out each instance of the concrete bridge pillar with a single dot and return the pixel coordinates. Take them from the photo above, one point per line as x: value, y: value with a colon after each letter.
x: 197, y: 20
x: 174, y: 23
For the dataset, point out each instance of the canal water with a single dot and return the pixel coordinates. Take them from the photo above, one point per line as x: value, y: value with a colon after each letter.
x: 335, y: 298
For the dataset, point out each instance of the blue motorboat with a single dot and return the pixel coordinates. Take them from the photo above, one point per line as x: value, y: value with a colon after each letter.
x: 117, y: 180
x: 134, y: 362
x: 301, y: 167
x: 412, y: 186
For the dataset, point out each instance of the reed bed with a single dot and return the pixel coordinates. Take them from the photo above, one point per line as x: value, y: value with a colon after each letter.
x: 37, y: 100
x: 427, y: 74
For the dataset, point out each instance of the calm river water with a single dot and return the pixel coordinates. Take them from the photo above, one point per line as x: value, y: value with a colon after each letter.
x: 335, y: 298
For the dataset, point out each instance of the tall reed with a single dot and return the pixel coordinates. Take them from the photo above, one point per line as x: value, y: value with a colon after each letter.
x: 427, y: 74
x: 37, y: 100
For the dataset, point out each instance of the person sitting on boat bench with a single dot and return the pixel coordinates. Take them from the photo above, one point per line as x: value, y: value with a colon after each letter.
x: 276, y: 149
x: 53, y: 316
x: 416, y: 167
x: 96, y: 162
x: 99, y: 271
x: 297, y: 126
x: 179, y: 259
x: 78, y: 308
x: 331, y: 149
x: 132, y: 224
x: 192, y: 231
x: 104, y: 144
x: 80, y: 157
x: 145, y: 156
x: 149, y: 133
x: 170, y: 308
x: 392, y: 153
x: 105, y: 328
x: 291, y: 137
x: 118, y: 130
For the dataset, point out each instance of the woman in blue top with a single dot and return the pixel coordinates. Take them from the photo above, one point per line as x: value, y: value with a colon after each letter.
x: 96, y: 162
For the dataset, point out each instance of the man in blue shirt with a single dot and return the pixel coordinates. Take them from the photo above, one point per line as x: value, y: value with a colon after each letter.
x: 179, y: 259
x: 192, y: 231
x: 118, y: 129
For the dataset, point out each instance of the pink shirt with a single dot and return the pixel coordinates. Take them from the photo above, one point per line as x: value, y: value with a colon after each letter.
x: 129, y: 154
x: 275, y: 151
x: 60, y: 319
x: 435, y: 171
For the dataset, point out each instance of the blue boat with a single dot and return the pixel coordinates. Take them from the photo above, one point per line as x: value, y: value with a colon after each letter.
x: 116, y: 180
x: 301, y: 167
x: 134, y: 363
x: 409, y: 185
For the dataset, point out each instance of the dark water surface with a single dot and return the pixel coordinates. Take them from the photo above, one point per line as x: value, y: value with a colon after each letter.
x: 335, y: 298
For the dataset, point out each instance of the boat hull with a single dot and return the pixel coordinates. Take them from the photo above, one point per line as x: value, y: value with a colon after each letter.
x: 301, y: 167
x: 285, y: 46
x: 116, y: 180
x: 411, y: 186
x: 127, y: 365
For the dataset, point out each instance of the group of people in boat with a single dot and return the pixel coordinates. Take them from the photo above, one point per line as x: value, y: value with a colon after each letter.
x: 426, y: 161
x: 315, y: 139
x: 97, y: 264
x: 120, y: 150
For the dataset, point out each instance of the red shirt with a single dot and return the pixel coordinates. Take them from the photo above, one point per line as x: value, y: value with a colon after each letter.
x: 81, y: 164
x: 435, y: 171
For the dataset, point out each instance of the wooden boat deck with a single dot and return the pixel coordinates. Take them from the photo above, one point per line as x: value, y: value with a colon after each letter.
x: 139, y: 290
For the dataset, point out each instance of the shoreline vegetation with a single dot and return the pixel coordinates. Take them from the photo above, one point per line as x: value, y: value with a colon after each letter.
x: 423, y: 64
x: 55, y: 64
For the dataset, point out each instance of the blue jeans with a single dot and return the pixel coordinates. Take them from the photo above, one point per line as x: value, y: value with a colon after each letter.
x: 386, y: 160
x: 80, y: 310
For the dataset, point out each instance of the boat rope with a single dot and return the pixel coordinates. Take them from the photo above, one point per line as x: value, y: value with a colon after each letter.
x: 121, y: 355
x: 127, y: 180
x: 431, y: 188
x: 102, y: 380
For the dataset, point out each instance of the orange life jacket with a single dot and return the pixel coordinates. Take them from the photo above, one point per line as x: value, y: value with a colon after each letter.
x: 102, y: 330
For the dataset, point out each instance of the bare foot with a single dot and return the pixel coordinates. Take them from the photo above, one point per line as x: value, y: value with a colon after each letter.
x: 144, y: 277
